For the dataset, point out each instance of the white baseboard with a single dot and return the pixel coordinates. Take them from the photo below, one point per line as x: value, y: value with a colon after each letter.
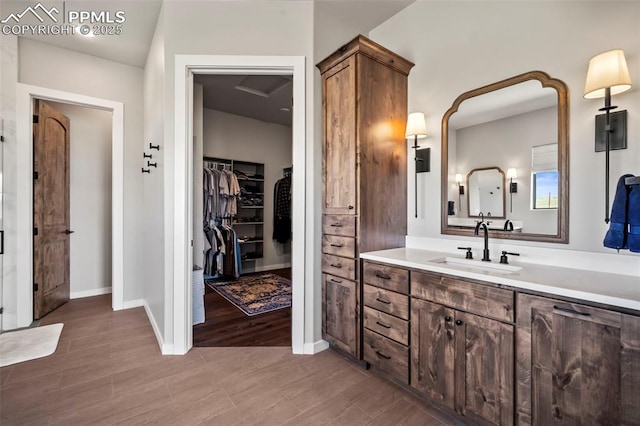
x: 315, y: 347
x: 265, y: 268
x: 129, y: 304
x: 164, y: 348
x: 90, y: 293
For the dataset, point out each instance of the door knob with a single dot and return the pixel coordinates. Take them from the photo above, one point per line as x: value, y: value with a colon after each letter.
x: 68, y: 231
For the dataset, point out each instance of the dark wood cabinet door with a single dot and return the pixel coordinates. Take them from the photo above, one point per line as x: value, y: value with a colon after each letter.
x: 340, y: 326
x: 340, y: 165
x: 433, y: 350
x: 576, y: 364
x: 484, y: 368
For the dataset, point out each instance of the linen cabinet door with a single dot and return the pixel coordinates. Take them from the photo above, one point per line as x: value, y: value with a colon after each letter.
x: 433, y: 350
x: 576, y: 364
x: 484, y: 368
x: 340, y: 322
x: 340, y: 182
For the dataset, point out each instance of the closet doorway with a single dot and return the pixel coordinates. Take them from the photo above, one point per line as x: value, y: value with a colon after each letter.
x: 242, y: 210
x: 72, y: 204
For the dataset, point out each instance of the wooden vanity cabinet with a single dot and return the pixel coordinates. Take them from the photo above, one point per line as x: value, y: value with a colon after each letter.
x: 576, y: 364
x: 463, y: 360
x: 386, y: 319
x: 364, y: 171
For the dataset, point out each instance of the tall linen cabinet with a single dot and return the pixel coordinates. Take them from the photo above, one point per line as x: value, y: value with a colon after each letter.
x: 364, y: 175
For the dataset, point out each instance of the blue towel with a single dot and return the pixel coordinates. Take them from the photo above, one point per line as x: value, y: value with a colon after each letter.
x: 616, y: 237
x: 633, y: 208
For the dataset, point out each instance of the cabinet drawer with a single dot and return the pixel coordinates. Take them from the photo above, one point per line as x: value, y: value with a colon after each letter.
x: 340, y: 246
x: 387, y: 355
x: 340, y: 266
x: 388, y: 277
x: 387, y: 325
x: 386, y: 301
x: 339, y: 225
x: 468, y: 296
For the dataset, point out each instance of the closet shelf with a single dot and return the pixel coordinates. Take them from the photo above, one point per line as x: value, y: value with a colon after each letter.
x: 250, y: 179
x: 248, y: 223
x: 251, y: 207
x: 251, y: 242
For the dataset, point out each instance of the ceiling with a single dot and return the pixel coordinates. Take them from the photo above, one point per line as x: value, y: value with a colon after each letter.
x: 262, y: 97
x: 509, y: 101
x: 131, y: 47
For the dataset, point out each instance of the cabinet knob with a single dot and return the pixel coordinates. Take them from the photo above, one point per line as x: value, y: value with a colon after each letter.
x: 458, y: 322
x: 351, y: 207
x: 447, y: 318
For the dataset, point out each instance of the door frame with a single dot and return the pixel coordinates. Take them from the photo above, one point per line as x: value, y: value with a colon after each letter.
x: 25, y: 94
x: 181, y: 299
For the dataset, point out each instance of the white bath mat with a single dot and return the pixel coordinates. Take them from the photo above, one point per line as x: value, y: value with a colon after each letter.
x: 28, y: 344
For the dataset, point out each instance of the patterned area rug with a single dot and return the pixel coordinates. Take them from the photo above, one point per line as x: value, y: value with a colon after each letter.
x: 255, y: 294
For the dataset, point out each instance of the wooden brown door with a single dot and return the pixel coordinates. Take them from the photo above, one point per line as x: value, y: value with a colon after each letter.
x: 50, y: 209
x: 340, y: 326
x: 433, y: 350
x: 340, y: 166
x: 577, y: 365
x: 484, y: 368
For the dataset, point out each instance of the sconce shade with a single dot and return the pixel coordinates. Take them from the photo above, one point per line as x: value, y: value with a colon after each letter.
x: 511, y: 173
x: 416, y: 125
x: 458, y: 178
x: 607, y: 70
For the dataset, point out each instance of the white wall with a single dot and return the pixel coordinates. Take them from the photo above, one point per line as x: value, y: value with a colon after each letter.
x: 221, y: 28
x: 198, y: 164
x: 90, y: 197
x: 153, y: 224
x: 459, y: 46
x: 507, y: 143
x: 240, y: 138
x: 8, y: 80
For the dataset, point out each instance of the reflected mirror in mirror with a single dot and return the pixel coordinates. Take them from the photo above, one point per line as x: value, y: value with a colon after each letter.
x: 520, y: 125
x: 486, y: 193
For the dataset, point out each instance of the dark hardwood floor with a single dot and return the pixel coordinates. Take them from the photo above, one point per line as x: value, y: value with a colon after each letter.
x: 225, y: 325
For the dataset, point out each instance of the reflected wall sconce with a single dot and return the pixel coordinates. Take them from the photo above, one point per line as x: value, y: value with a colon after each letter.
x: 608, y: 75
x: 513, y: 186
x: 460, y: 190
x: 417, y: 128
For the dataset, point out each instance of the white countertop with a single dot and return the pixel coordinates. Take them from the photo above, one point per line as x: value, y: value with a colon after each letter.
x: 609, y: 289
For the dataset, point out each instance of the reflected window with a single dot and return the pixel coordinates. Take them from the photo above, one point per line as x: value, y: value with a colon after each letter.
x: 544, y: 176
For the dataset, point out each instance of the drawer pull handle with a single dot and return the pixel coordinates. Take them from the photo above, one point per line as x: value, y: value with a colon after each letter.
x: 335, y: 281
x: 386, y: 302
x: 336, y: 225
x: 384, y: 277
x: 447, y: 318
x: 337, y: 265
x: 337, y: 245
x: 383, y: 325
x: 458, y: 322
x: 571, y: 311
x: 381, y: 355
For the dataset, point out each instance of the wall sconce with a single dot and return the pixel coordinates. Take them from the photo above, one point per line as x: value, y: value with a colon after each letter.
x: 460, y: 190
x: 417, y: 128
x: 608, y: 75
x: 513, y: 186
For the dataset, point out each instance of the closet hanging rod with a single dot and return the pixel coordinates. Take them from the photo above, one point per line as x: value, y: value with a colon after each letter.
x: 635, y: 180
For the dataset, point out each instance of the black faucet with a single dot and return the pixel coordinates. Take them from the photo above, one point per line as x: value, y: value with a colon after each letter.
x: 508, y: 225
x: 485, y: 252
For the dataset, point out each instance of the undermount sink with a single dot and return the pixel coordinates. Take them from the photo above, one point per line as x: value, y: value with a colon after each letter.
x: 477, y: 264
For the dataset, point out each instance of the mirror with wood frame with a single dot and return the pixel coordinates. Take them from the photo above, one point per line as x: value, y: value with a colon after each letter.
x: 521, y: 125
